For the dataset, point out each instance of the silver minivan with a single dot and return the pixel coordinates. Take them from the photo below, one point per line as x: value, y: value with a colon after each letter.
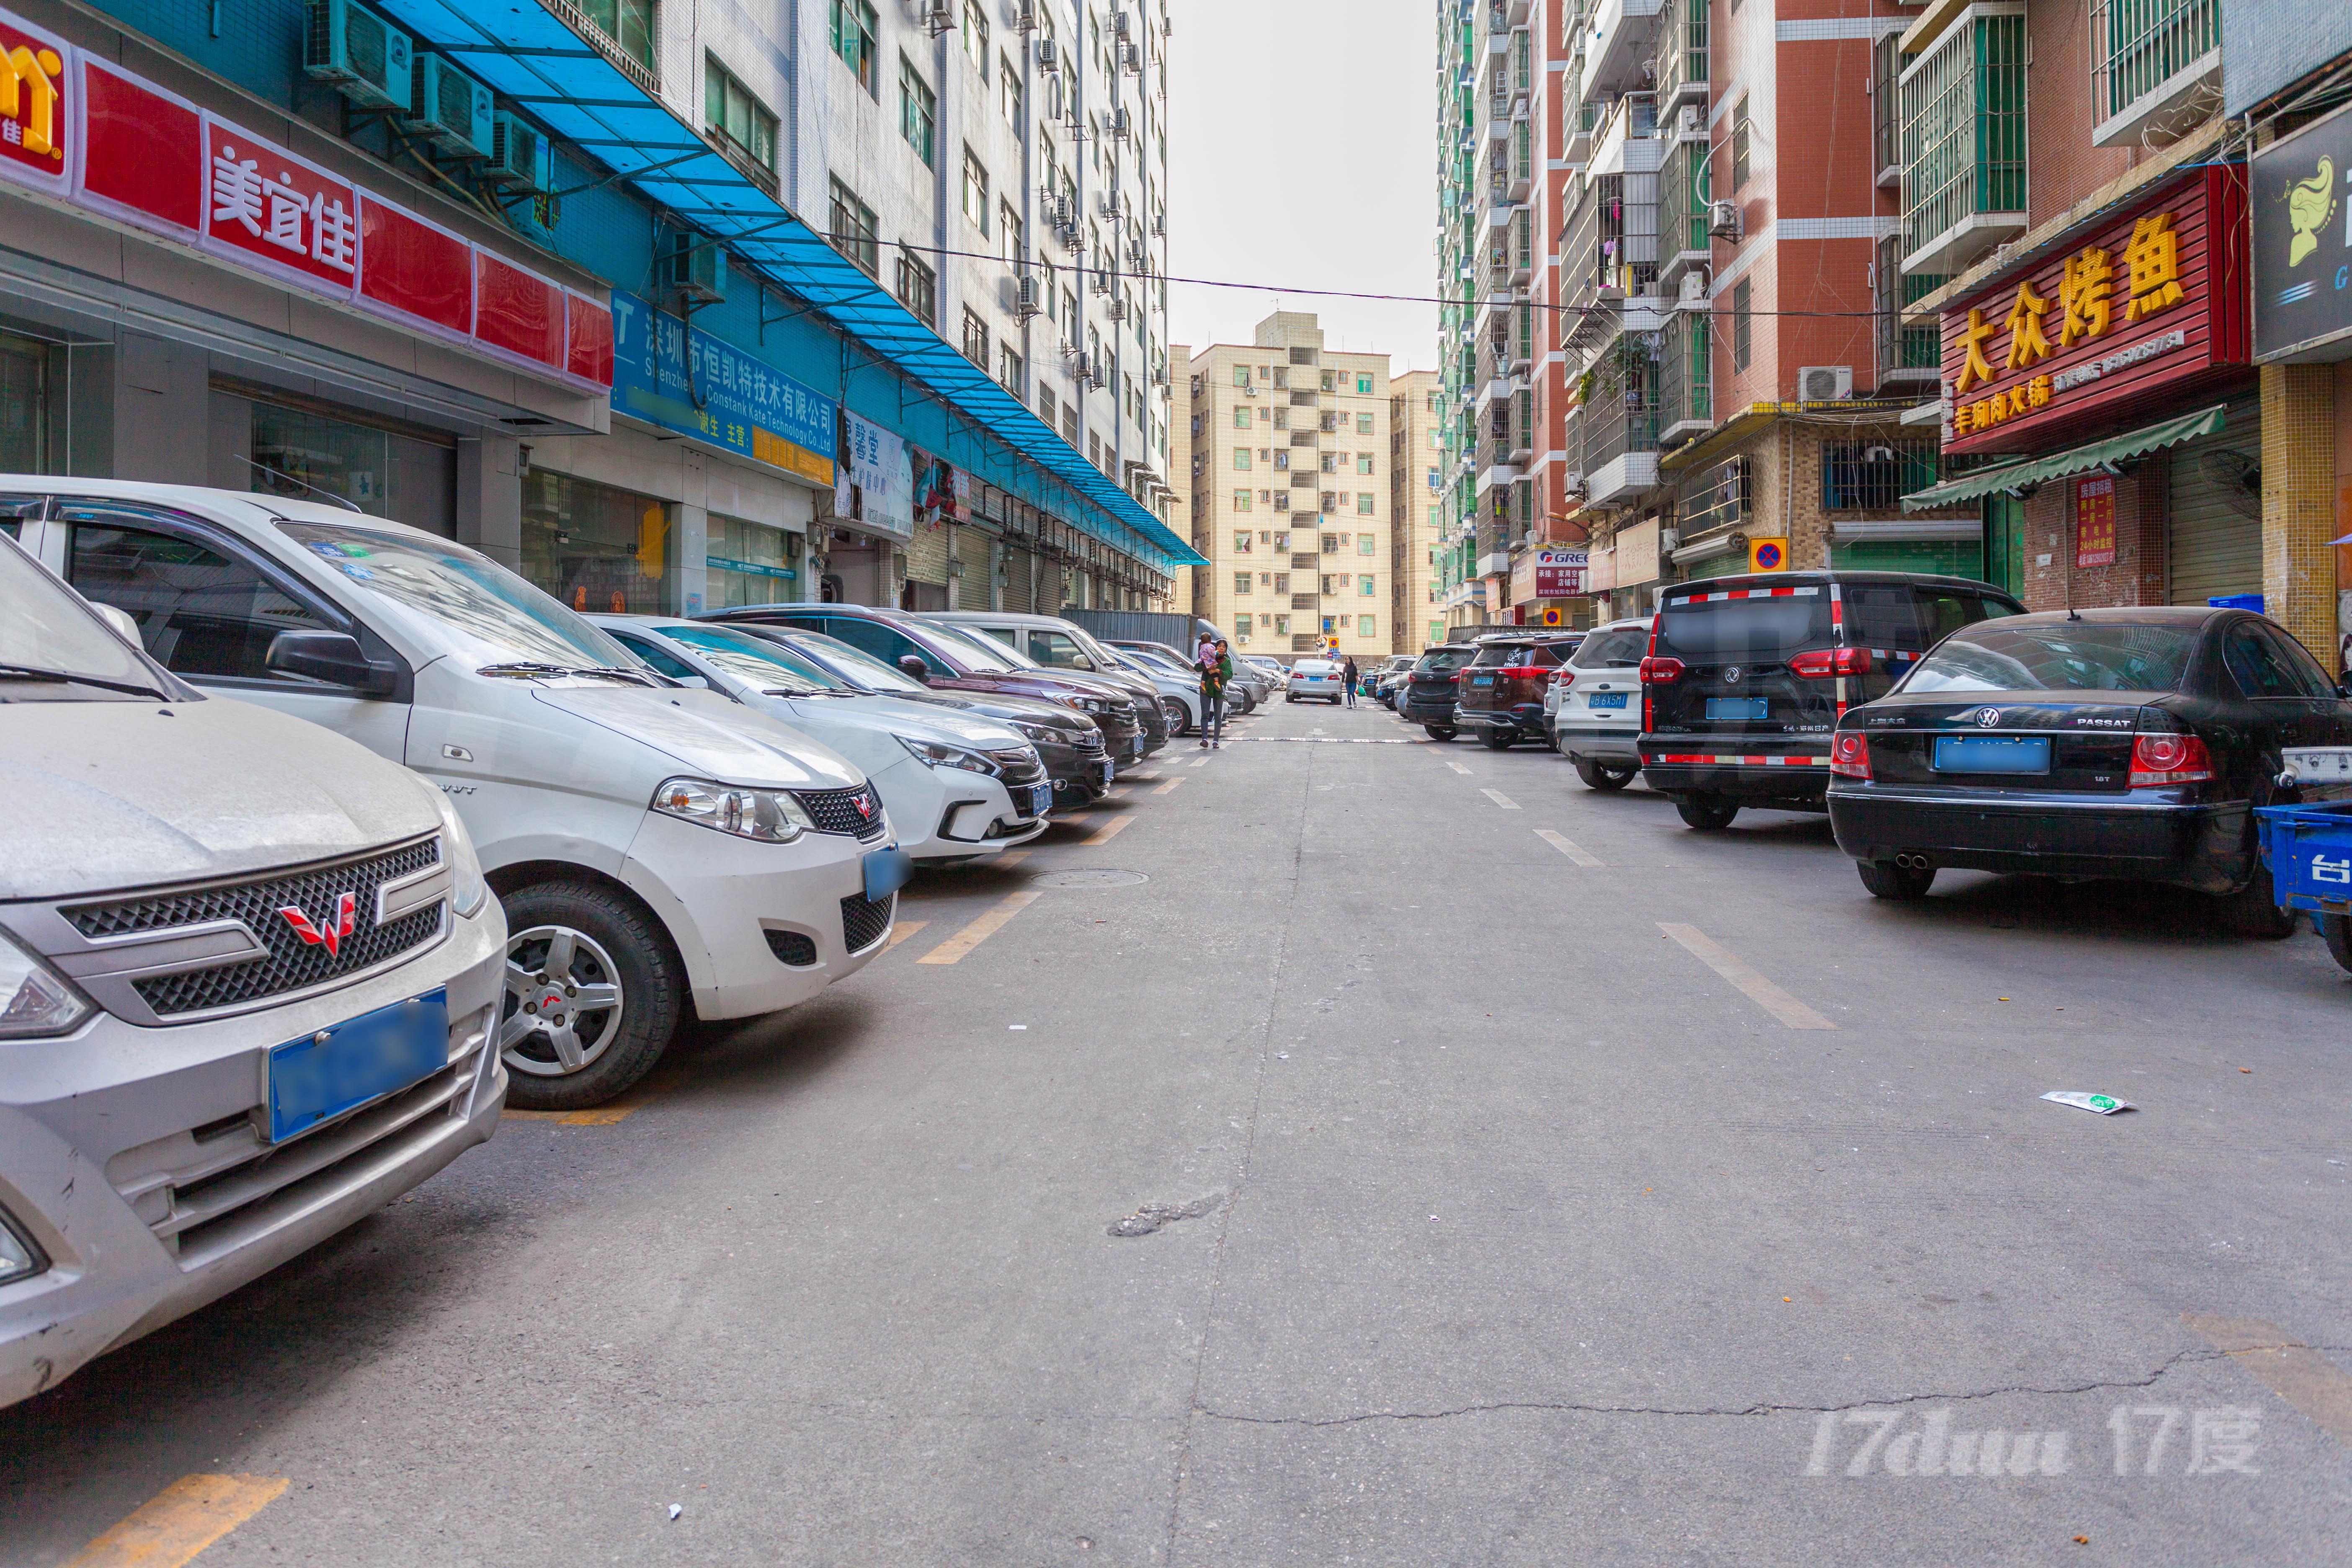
x: 250, y: 974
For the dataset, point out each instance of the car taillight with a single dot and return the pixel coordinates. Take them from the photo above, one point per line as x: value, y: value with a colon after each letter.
x: 1824, y: 663
x: 2168, y: 760
x: 1453, y: 677
x: 1661, y: 672
x: 1850, y: 754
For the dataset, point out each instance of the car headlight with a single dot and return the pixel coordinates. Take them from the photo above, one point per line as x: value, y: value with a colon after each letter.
x: 1046, y: 733
x: 20, y: 1258
x: 1086, y: 704
x: 771, y: 816
x: 467, y: 891
x: 937, y: 754
x: 35, y: 1000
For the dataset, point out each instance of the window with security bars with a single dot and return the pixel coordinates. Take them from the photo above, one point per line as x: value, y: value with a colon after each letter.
x: 630, y: 24
x: 917, y: 287
x: 853, y: 229
x: 1875, y: 476
x: 1964, y: 131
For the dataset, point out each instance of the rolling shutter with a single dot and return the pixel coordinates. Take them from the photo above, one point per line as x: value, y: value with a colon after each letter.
x: 2216, y: 538
x: 1017, y: 567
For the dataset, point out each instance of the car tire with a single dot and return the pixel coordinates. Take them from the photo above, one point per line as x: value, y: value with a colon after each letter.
x: 1497, y: 739
x: 1180, y: 718
x: 2336, y: 931
x: 1900, y: 884
x: 1601, y: 776
x: 610, y: 942
x: 1439, y: 732
x: 1707, y: 813
x: 2253, y: 912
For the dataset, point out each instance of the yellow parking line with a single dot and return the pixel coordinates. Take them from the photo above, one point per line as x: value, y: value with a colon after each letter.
x: 1566, y: 846
x: 1743, y: 979
x: 1200, y: 762
x: 181, y: 1520
x: 1108, y: 830
x: 904, y: 929
x: 1011, y: 858
x: 2286, y: 1367
x: 981, y: 929
x: 1499, y: 798
x: 1171, y: 784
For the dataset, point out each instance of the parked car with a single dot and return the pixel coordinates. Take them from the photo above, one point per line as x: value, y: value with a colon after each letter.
x: 2100, y: 743
x: 1388, y: 679
x: 1273, y: 668
x: 249, y: 976
x: 1052, y: 642
x: 1428, y: 696
x: 1180, y: 686
x: 1316, y: 677
x: 1746, y: 677
x: 651, y: 845
x: 1595, y: 704
x: 1069, y: 744
x: 1251, y: 678
x: 958, y: 786
x: 1502, y: 688
x: 948, y: 659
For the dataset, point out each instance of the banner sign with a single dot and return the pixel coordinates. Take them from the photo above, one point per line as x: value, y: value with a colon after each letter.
x: 2302, y: 200
x: 1560, y: 570
x: 669, y: 373
x: 881, y: 480
x: 2094, y: 522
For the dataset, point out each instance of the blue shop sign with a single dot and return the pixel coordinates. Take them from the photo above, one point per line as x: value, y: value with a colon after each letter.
x: 678, y: 376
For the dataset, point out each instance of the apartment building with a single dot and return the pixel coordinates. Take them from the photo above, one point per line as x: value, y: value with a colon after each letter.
x: 1417, y: 418
x: 1291, y: 492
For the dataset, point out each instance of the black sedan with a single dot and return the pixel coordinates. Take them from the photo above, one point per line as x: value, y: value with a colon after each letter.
x: 2129, y: 743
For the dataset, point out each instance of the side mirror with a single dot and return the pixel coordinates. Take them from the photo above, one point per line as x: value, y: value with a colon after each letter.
x: 332, y: 657
x: 1080, y: 662
x: 912, y: 664
x: 2344, y: 689
x: 120, y: 619
x: 698, y: 682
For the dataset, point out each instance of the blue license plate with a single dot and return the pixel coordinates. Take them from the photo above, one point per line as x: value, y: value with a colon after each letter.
x: 318, y: 1077
x: 1606, y: 700
x: 1992, y: 753
x: 1108, y: 770
x: 1481, y: 680
x: 885, y: 871
x: 1041, y: 799
x: 1737, y: 708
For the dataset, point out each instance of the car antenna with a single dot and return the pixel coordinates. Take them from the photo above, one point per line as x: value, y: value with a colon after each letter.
x: 282, y: 474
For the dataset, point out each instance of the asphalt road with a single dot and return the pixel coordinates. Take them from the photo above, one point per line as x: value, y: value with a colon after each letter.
x: 1522, y: 1179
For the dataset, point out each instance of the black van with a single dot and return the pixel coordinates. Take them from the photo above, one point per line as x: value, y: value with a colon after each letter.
x: 1746, y: 676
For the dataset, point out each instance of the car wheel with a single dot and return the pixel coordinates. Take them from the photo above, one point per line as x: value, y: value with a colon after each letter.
x: 1497, y: 739
x: 2252, y: 909
x: 2337, y: 931
x: 1438, y: 731
x: 1903, y: 884
x: 1707, y: 813
x: 1600, y: 776
x: 1180, y: 718
x: 593, y: 991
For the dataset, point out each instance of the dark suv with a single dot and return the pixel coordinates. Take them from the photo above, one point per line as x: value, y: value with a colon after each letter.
x: 1746, y: 676
x: 1502, y: 689
x: 1427, y: 697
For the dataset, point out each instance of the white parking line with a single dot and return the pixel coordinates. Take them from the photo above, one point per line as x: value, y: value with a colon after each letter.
x: 1499, y: 798
x: 1745, y: 981
x: 1457, y: 767
x: 1566, y: 847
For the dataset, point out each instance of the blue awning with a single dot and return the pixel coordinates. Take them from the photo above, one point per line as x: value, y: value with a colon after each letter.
x: 526, y: 54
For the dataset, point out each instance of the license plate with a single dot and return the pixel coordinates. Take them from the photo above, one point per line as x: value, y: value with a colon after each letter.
x: 885, y: 871
x: 2319, y: 764
x: 1104, y: 766
x: 1737, y: 707
x: 1481, y: 680
x: 320, y: 1077
x: 1041, y: 799
x: 1992, y: 753
x: 1606, y: 700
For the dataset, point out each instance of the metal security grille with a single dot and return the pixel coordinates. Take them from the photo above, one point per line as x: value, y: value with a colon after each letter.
x: 839, y: 811
x: 293, y: 965
x: 864, y: 920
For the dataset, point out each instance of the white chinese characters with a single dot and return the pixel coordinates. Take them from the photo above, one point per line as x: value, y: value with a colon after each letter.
x: 317, y: 226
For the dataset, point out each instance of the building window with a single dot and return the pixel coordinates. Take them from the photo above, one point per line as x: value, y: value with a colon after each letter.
x: 1364, y: 588
x: 1011, y: 372
x: 1364, y: 503
x: 1363, y: 424
x: 1743, y: 334
x: 1739, y: 145
x: 1364, y: 625
x: 853, y: 231
x: 1363, y: 462
x: 1364, y: 389
x: 975, y: 38
x: 1876, y: 475
x: 918, y: 113
x: 1243, y: 581
x: 1242, y: 540
x: 596, y: 547
x: 1241, y: 375
x: 1008, y: 227
x: 917, y: 287
x: 1364, y: 544
x: 975, y: 339
x: 1242, y: 418
x: 1241, y: 459
x: 975, y: 191
x: 1240, y: 501
x: 735, y: 117
x: 1046, y: 405
x: 853, y: 41
x: 630, y: 24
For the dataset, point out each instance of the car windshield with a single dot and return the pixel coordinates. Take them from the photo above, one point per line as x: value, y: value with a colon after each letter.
x: 762, y: 663
x: 502, y: 619
x: 854, y: 664
x: 1313, y: 666
x: 1157, y: 662
x: 1443, y: 658
x: 2064, y: 656
x: 977, y: 649
x: 1765, y: 630
x: 52, y: 646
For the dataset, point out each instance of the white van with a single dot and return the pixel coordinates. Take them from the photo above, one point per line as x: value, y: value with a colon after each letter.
x: 650, y: 843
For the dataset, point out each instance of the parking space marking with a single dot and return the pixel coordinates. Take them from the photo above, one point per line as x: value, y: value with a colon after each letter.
x: 1107, y: 831
x: 2286, y: 1367
x: 1566, y: 846
x: 1499, y: 798
x: 904, y: 929
x: 1743, y: 979
x: 181, y: 1520
x: 1457, y: 767
x: 1011, y: 858
x: 982, y: 928
x: 1171, y: 784
x: 1200, y: 762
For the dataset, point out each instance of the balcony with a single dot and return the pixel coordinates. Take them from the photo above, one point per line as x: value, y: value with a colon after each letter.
x: 1617, y: 45
x: 1909, y: 358
x: 1682, y: 62
x: 1628, y: 141
x: 1578, y: 131
x: 1685, y: 377
x: 1609, y: 264
x: 1683, y: 190
x: 2152, y: 60
x: 1618, y: 425
x: 1964, y: 140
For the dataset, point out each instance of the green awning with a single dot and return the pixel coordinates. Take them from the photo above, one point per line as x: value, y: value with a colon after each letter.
x: 2081, y: 460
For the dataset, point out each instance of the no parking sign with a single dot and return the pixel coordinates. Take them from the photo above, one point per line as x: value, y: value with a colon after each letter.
x: 1767, y: 556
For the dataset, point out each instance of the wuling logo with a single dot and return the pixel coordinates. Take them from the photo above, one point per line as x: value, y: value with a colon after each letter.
x: 331, y: 935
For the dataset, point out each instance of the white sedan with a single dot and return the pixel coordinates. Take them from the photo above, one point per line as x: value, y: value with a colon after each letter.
x: 1316, y: 677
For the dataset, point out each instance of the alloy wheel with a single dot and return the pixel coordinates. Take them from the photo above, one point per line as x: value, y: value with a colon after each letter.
x: 563, y: 1002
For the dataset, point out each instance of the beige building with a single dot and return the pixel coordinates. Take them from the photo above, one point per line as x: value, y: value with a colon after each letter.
x: 1176, y: 507
x: 1290, y: 492
x: 1416, y: 470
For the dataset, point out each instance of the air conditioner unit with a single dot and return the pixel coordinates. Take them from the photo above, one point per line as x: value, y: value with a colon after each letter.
x: 1731, y: 488
x: 1101, y: 281
x: 937, y: 16
x: 1109, y: 201
x: 1120, y: 24
x: 1024, y: 298
x: 1160, y: 376
x: 1158, y: 225
x: 698, y: 269
x: 521, y: 159
x: 1723, y: 219
x: 1130, y: 58
x: 1250, y: 391
x: 368, y: 59
x: 1572, y: 483
x: 1118, y: 310
x: 1694, y: 121
x: 449, y: 108
x: 1825, y: 383
x: 1027, y: 18
x: 1693, y: 288
x: 1123, y: 123
x: 1049, y: 55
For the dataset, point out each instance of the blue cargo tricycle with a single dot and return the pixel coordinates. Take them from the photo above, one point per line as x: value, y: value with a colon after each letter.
x: 2308, y: 848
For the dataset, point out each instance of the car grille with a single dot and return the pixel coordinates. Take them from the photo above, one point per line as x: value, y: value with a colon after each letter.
x: 864, y: 920
x: 1020, y: 767
x: 792, y: 947
x: 1088, y: 741
x: 838, y: 811
x: 293, y: 965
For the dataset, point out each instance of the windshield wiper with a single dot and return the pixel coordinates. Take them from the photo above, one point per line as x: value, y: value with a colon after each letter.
x: 34, y: 672
x: 525, y: 667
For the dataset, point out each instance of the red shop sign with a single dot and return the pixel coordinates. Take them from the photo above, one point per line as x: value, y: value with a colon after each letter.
x: 35, y: 106
x: 2094, y: 522
x: 278, y: 214
x: 2138, y: 311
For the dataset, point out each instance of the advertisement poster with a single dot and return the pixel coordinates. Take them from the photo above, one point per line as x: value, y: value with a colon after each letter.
x: 683, y: 379
x: 2094, y: 522
x: 1560, y: 570
x: 882, y: 479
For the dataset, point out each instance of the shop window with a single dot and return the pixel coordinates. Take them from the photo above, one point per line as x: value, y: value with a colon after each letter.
x: 747, y: 563
x: 200, y: 612
x: 300, y: 453
x: 595, y: 547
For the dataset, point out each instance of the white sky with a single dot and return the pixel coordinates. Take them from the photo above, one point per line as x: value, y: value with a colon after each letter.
x: 1315, y: 119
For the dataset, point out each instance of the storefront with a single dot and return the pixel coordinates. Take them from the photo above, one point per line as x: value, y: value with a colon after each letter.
x: 1547, y: 588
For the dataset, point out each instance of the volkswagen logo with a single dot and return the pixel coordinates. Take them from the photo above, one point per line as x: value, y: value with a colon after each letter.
x: 1731, y: 674
x: 1988, y: 716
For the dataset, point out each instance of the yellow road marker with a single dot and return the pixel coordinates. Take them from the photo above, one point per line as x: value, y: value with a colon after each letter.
x: 981, y: 929
x: 1743, y: 979
x: 904, y: 929
x: 1457, y: 767
x: 1200, y: 762
x: 2286, y: 1367
x: 1011, y: 858
x: 1171, y: 784
x: 1499, y: 798
x: 1108, y: 830
x: 181, y: 1520
x: 1566, y: 846
x: 603, y: 1115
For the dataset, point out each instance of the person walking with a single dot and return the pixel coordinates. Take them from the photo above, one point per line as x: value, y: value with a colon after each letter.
x: 1216, y: 669
x: 1348, y: 675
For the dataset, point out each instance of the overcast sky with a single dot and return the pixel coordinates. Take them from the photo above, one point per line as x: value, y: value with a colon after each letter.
x: 1302, y: 148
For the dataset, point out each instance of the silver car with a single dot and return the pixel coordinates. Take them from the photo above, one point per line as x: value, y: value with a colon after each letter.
x: 1316, y: 677
x: 248, y: 975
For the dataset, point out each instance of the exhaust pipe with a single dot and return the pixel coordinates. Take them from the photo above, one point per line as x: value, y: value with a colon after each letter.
x: 1913, y: 862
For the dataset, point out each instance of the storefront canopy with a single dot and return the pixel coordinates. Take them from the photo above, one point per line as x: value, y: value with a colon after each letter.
x: 2081, y: 460
x: 528, y: 56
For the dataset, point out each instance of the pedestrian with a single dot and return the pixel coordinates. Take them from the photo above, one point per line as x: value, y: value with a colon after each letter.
x: 1216, y: 669
x: 1349, y: 677
x: 1204, y: 648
